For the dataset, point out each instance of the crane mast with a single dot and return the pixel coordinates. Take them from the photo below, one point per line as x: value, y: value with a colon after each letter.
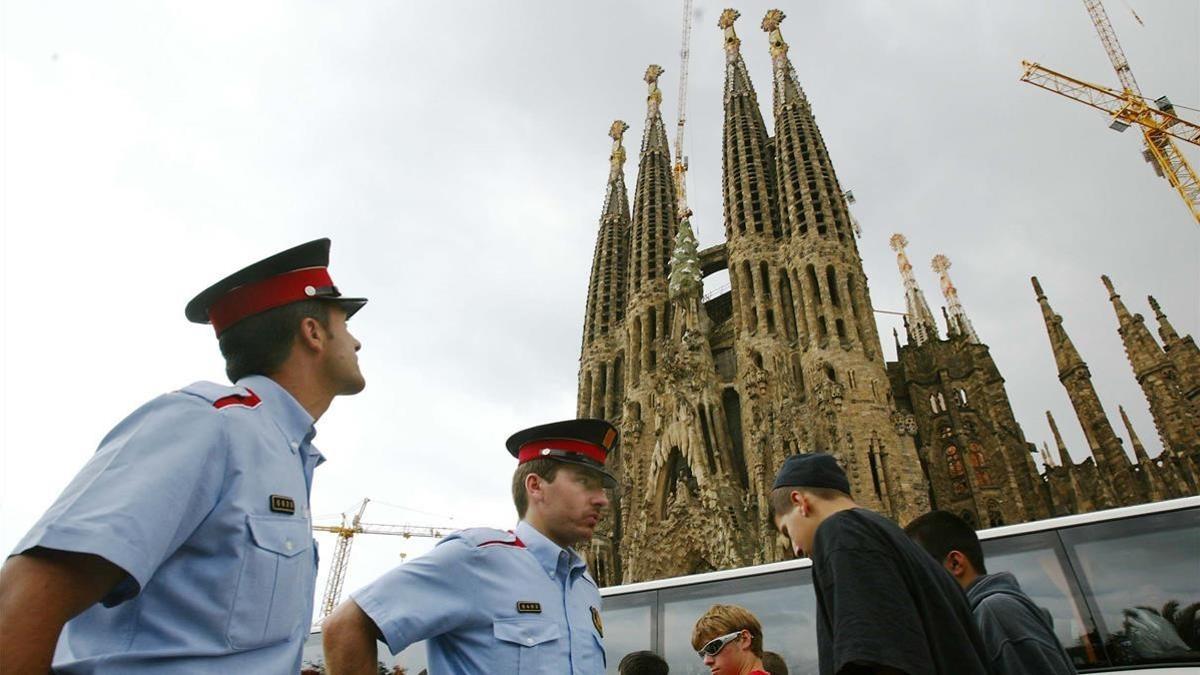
x: 681, y: 163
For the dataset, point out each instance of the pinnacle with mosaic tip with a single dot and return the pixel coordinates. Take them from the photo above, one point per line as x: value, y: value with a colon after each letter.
x: 770, y: 24
x: 617, y: 158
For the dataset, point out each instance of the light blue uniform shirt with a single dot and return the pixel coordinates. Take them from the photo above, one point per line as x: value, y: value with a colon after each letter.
x: 490, y: 602
x: 179, y: 495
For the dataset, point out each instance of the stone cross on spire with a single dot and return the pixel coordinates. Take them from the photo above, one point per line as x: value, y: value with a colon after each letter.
x: 958, y: 316
x: 921, y: 326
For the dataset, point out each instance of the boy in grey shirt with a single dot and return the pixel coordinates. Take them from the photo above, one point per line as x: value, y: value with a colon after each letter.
x: 1018, y: 635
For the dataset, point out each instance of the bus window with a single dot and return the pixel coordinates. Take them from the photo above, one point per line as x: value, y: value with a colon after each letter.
x: 783, y: 602
x: 628, y: 625
x: 1039, y: 564
x: 1142, y: 578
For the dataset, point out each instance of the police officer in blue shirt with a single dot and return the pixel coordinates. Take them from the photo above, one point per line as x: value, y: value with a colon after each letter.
x: 185, y: 543
x: 490, y: 601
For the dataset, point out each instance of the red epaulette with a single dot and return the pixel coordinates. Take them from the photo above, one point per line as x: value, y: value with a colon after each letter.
x: 250, y: 400
x: 515, y: 543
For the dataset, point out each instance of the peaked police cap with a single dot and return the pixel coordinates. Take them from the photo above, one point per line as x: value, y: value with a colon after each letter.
x: 299, y: 273
x: 584, y: 442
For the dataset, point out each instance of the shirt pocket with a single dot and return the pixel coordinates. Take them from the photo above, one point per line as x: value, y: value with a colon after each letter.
x: 534, y: 641
x: 269, y: 602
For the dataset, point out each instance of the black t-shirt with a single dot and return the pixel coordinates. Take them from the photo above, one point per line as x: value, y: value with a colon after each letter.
x: 882, y: 600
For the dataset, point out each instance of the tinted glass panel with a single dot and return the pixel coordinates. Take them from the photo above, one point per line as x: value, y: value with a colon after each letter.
x: 1143, y: 578
x: 783, y: 602
x: 628, y: 625
x: 1038, y: 562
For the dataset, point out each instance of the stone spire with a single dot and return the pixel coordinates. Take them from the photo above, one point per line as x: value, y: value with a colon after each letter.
x: 1139, y: 450
x: 1141, y: 349
x: 811, y: 202
x: 1182, y: 352
x: 749, y: 192
x: 606, y: 289
x: 1165, y: 329
x: 1148, y: 469
x: 921, y: 326
x: 1064, y: 457
x: 1065, y: 355
x: 653, y: 198
x: 1047, y: 460
x: 787, y: 86
x: 958, y: 322
x: 1103, y: 442
x: 1176, y: 418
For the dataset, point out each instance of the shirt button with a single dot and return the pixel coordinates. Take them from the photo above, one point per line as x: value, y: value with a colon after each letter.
x: 529, y: 641
x: 288, y: 545
x: 295, y: 445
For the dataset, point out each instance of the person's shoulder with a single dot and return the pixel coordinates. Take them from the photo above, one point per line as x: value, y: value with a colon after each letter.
x: 852, y: 528
x: 483, y: 538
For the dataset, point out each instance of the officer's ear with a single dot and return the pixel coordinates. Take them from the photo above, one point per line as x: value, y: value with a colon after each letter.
x: 312, y: 334
x: 534, y: 486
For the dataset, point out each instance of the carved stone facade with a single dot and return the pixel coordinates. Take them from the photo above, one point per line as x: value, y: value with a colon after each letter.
x: 711, y: 394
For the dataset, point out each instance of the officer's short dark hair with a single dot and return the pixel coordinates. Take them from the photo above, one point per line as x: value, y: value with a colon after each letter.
x: 642, y: 663
x: 940, y: 532
x: 546, y: 468
x: 259, y: 344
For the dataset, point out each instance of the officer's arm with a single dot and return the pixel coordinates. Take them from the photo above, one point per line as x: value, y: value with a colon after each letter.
x: 40, y: 590
x: 350, y: 638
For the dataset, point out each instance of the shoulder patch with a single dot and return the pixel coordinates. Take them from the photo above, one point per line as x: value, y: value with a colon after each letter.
x: 222, y: 395
x: 480, y: 537
x: 248, y: 400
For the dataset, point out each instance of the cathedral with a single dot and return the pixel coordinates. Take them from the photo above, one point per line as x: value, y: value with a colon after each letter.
x: 712, y: 393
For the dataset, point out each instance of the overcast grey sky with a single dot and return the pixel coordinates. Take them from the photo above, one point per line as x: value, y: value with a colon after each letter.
x: 456, y: 154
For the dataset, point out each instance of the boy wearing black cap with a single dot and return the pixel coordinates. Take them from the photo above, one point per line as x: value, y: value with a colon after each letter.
x: 883, y: 605
x: 185, y: 544
x: 489, y: 601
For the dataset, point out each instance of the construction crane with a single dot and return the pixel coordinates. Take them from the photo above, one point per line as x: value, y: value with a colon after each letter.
x: 681, y: 162
x: 341, y: 552
x: 1158, y: 122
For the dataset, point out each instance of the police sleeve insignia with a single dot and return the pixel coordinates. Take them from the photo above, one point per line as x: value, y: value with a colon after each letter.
x: 596, y: 621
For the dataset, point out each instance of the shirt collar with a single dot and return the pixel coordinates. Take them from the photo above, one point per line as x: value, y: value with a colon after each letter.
x: 545, y: 551
x: 287, y: 413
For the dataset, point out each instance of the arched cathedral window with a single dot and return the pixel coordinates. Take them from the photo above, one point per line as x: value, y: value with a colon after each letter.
x: 979, y: 464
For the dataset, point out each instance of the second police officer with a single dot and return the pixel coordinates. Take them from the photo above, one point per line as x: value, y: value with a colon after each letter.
x: 490, y: 601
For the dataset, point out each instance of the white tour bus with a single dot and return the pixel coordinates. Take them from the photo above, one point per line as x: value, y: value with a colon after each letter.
x: 1123, y: 588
